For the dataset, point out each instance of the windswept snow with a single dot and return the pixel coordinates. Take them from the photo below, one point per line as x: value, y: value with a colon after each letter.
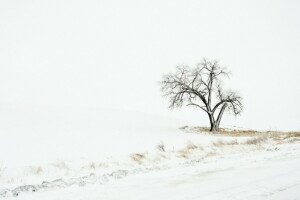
x: 84, y: 153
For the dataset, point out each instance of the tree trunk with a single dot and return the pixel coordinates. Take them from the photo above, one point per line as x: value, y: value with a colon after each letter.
x: 220, y: 115
x: 213, y: 125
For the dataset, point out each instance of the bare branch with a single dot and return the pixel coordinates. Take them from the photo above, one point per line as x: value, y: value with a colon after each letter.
x: 201, y: 107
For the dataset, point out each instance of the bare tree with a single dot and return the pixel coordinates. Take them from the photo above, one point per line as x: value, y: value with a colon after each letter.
x: 200, y: 87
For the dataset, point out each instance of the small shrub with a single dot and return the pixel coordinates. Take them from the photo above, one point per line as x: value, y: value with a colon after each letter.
x: 161, y: 147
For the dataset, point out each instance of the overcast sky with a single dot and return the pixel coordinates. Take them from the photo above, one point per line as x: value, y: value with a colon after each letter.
x: 111, y: 54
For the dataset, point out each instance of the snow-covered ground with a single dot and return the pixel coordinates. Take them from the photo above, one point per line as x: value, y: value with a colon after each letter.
x: 84, y: 153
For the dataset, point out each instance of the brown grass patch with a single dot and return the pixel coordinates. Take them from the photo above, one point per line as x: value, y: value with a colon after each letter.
x: 183, y: 153
x: 191, y: 146
x: 294, y: 140
x: 137, y: 157
x: 225, y: 131
x: 239, y: 132
x: 291, y: 134
x: 232, y: 142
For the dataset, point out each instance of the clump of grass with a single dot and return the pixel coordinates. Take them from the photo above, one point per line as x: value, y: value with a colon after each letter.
x: 282, y: 137
x: 92, y: 165
x: 61, y: 165
x: 36, y: 170
x: 218, y: 143
x: 191, y: 146
x: 232, y: 142
x: 294, y: 140
x: 183, y: 127
x: 183, y: 153
x: 292, y: 134
x: 200, y: 129
x: 137, y: 157
x: 256, y: 140
x: 223, y: 143
x: 259, y: 147
x: 210, y: 153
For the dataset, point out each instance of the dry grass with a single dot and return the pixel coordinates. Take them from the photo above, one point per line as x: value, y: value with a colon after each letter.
x: 294, y: 140
x: 224, y: 131
x: 61, y: 165
x: 36, y: 170
x: 246, y: 132
x: 223, y: 143
x: 283, y: 137
x: 218, y: 143
x: 232, y: 142
x: 291, y: 134
x: 183, y: 127
x: 103, y: 165
x: 137, y: 157
x: 92, y: 165
x: 210, y: 153
x: 191, y: 146
x: 183, y: 153
x: 256, y: 140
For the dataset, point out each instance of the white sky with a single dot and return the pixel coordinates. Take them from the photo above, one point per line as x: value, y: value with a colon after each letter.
x: 111, y: 54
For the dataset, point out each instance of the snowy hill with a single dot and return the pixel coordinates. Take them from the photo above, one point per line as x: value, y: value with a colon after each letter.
x: 35, y: 131
x: 38, y: 136
x: 46, y: 148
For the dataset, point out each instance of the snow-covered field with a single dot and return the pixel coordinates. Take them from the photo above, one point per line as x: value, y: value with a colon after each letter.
x: 85, y: 153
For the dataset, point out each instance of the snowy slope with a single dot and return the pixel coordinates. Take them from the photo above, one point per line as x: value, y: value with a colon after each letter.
x: 40, y: 143
x: 85, y: 153
x: 266, y: 176
x: 37, y: 135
